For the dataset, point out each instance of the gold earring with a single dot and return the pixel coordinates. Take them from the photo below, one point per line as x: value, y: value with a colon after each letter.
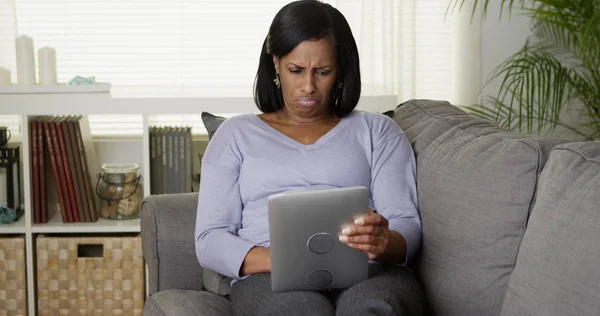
x: 277, y: 82
x: 340, y: 85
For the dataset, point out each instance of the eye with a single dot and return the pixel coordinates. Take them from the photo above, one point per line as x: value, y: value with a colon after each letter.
x: 323, y: 72
x: 295, y: 70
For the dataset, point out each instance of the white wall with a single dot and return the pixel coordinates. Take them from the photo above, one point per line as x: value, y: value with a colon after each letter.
x: 499, y: 40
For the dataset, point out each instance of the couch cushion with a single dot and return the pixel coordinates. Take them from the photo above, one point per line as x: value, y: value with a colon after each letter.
x: 186, y: 302
x: 557, y: 268
x: 476, y: 183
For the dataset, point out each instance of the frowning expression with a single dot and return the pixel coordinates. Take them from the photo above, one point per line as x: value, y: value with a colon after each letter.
x: 307, y: 75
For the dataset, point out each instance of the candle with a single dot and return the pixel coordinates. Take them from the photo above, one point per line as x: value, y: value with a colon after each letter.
x: 47, y: 65
x: 4, y: 76
x: 25, y: 60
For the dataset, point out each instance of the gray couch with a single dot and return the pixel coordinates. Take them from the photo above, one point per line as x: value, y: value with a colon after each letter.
x: 511, y: 223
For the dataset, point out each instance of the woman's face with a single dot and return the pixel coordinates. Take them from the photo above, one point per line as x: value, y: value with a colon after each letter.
x: 307, y: 75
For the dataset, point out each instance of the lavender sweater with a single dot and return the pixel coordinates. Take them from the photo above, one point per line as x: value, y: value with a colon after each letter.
x: 247, y: 161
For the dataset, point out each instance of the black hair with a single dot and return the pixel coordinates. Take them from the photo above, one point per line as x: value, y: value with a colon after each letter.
x: 301, y: 21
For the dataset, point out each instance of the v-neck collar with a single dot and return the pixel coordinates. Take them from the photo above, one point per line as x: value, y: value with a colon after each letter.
x: 322, y: 140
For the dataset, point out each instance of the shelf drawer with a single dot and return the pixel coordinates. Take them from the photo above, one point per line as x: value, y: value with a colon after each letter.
x: 90, y: 275
x: 13, y: 279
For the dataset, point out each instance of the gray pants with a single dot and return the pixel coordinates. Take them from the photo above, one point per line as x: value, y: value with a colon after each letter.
x: 391, y: 290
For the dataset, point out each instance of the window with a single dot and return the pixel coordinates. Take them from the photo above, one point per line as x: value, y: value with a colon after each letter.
x: 189, y: 48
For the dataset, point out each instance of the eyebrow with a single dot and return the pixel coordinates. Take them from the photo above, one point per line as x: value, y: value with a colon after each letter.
x: 322, y: 67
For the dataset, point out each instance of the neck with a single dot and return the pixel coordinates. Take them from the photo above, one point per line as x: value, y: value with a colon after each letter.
x: 286, y: 115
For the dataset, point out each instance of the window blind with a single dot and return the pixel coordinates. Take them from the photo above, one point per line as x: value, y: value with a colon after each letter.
x: 189, y: 48
x: 164, y: 47
x: 124, y: 125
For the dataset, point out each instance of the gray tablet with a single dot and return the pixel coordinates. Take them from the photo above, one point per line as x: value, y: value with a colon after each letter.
x: 305, y: 251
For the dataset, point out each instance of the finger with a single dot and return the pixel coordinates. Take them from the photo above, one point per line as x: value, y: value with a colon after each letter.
x: 369, y: 249
x: 370, y: 212
x: 361, y: 239
x: 352, y: 230
x: 373, y: 219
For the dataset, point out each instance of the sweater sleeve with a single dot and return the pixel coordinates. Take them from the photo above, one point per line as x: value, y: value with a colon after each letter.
x: 218, y: 247
x: 394, y: 189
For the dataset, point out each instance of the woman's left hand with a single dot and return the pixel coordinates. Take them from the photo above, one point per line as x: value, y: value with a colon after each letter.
x: 369, y: 234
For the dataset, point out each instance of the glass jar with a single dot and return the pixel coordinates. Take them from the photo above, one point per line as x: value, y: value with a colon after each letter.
x: 120, y: 191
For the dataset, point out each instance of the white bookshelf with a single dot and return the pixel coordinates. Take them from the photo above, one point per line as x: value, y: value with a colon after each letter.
x: 16, y: 228
x: 56, y: 226
x: 29, y: 102
x: 101, y: 87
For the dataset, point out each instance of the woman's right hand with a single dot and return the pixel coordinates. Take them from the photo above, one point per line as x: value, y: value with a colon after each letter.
x: 257, y: 260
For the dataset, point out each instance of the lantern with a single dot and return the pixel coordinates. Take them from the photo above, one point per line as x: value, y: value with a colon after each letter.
x: 10, y: 176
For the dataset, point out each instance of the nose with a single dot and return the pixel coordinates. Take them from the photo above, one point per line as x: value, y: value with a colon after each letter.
x: 309, y: 85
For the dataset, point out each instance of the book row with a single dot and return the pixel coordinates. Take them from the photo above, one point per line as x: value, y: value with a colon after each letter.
x: 170, y: 159
x: 58, y: 156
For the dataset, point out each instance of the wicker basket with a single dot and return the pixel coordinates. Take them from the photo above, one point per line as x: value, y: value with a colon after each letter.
x: 13, y: 280
x: 90, y: 276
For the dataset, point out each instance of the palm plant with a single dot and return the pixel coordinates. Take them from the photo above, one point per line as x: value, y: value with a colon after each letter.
x: 554, y: 80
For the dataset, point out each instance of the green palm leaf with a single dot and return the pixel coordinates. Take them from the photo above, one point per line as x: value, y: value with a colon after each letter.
x: 484, y: 4
x: 489, y: 113
x: 554, y: 73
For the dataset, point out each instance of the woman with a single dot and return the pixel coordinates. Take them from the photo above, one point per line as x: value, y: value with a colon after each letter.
x: 309, y: 137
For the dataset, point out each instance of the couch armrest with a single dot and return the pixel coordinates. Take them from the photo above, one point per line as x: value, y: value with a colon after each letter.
x: 167, y: 227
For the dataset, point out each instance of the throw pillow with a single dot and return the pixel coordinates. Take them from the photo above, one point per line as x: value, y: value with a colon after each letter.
x: 212, y: 123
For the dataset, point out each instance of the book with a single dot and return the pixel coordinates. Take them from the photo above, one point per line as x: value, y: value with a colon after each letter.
x: 41, y: 173
x: 159, y: 161
x: 164, y: 169
x: 85, y: 171
x: 80, y: 192
x: 61, y: 186
x: 35, y: 167
x: 182, y: 163
x: 153, y: 160
x: 93, y: 167
x: 75, y: 191
x: 73, y: 212
x: 188, y: 160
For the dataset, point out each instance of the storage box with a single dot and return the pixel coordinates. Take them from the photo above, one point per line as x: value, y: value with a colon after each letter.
x: 90, y: 275
x: 13, y: 279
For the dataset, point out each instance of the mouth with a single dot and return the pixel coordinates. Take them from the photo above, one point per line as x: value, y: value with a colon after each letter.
x: 307, y: 102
